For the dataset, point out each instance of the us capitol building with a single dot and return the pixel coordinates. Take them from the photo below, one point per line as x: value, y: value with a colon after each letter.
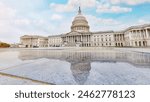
x: 80, y: 36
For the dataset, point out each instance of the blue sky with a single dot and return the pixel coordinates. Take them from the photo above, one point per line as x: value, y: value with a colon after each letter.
x: 53, y: 17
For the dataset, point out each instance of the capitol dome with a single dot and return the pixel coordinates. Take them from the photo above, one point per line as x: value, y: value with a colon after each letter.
x: 80, y: 24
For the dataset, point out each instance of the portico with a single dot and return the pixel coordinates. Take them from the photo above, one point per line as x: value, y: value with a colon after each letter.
x: 77, y: 39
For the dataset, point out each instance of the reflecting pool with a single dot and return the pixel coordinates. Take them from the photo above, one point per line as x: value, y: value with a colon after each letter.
x: 77, y: 67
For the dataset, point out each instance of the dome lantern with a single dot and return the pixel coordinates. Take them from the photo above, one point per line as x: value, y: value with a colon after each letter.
x: 79, y: 12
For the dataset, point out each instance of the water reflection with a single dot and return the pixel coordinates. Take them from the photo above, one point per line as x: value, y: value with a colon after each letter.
x: 80, y: 61
x: 80, y: 71
x: 134, y: 58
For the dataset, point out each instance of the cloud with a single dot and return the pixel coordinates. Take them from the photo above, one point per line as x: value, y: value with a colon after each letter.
x: 61, y: 7
x: 101, y: 20
x: 106, y: 8
x: 16, y: 20
x: 98, y: 24
x: 6, y: 12
x: 129, y: 2
x: 56, y: 17
x: 143, y: 21
x: 22, y: 22
x: 102, y: 6
x: 71, y: 5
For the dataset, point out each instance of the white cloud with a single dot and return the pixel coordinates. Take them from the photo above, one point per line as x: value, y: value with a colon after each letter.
x: 129, y: 2
x: 22, y: 22
x: 142, y: 21
x: 61, y: 7
x: 56, y: 17
x: 102, y: 6
x: 14, y: 22
x: 107, y: 8
x: 98, y: 24
x: 6, y: 12
x: 98, y: 21
x: 72, y: 4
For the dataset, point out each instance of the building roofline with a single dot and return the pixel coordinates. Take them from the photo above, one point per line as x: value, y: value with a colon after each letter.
x: 110, y: 31
x: 137, y: 27
x: 32, y: 36
x: 55, y: 35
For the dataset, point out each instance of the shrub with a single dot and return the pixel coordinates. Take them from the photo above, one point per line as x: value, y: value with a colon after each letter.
x: 4, y: 45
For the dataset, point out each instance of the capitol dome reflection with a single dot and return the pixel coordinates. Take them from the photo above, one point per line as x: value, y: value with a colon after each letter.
x: 80, y: 71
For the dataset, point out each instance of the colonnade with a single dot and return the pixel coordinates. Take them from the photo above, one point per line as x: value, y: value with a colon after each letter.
x: 119, y: 37
x: 119, y: 40
x: 140, y: 34
x: 139, y: 37
x: 84, y: 40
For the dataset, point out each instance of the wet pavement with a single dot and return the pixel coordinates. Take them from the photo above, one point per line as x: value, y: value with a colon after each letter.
x: 74, y: 67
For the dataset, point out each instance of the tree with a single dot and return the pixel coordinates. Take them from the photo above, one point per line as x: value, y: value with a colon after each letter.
x: 4, y: 45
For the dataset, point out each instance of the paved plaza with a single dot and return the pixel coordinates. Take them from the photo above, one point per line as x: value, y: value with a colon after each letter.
x: 71, y: 66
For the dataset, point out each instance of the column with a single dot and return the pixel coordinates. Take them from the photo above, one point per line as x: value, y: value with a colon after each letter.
x: 141, y: 38
x: 136, y: 34
x: 120, y: 37
x: 68, y: 38
x: 88, y: 40
x: 145, y: 36
x: 147, y: 33
x: 71, y: 39
x: 140, y: 34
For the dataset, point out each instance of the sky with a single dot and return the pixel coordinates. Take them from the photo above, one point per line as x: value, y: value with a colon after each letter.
x: 54, y: 17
